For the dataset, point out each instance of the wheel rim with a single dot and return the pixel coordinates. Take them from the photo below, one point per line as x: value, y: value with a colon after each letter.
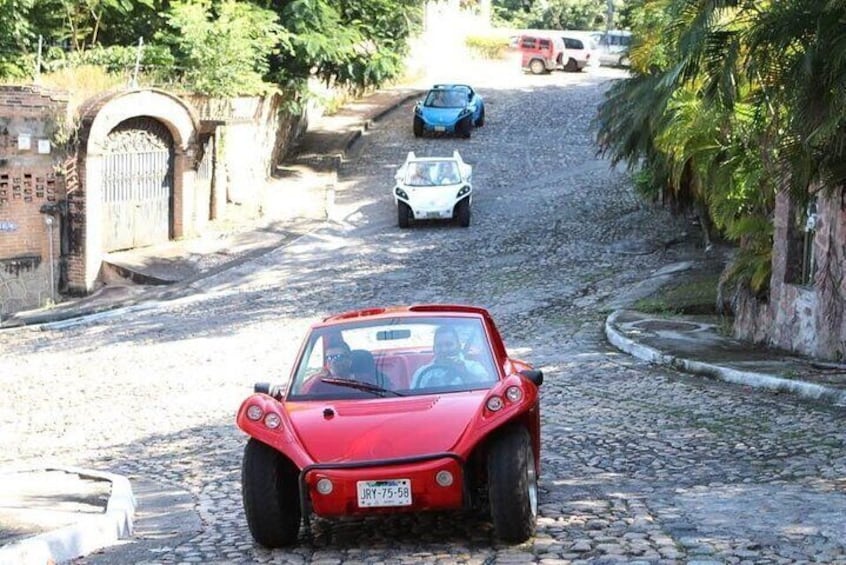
x: 531, y: 481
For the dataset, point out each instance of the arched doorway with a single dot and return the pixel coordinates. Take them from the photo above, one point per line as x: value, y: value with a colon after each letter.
x: 137, y: 184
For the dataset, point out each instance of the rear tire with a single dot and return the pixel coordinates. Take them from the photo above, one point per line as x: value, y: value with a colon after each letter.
x: 403, y: 215
x: 270, y: 493
x: 481, y: 121
x: 462, y: 213
x: 572, y: 66
x: 418, y: 127
x: 537, y: 67
x: 512, y: 486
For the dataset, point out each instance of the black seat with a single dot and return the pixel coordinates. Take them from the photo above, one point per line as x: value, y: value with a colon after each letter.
x: 363, y: 366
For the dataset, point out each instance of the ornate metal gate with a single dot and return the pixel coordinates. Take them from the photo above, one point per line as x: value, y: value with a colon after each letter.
x: 137, y: 184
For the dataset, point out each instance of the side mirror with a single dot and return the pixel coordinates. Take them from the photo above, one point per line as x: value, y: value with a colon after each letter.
x: 534, y: 375
x: 271, y: 390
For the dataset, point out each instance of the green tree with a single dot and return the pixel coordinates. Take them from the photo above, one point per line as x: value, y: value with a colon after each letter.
x: 16, y: 38
x: 568, y: 14
x: 222, y: 52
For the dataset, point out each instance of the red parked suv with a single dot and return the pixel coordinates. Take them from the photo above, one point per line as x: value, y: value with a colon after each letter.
x: 540, y: 53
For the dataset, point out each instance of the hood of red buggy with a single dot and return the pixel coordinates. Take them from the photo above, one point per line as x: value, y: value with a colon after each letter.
x: 362, y: 430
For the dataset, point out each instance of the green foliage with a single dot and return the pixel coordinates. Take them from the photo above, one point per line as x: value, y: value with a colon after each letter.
x: 487, y: 47
x: 357, y: 43
x: 224, y: 55
x: 568, y: 14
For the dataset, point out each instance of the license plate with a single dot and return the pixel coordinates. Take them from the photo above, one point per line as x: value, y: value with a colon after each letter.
x: 440, y: 128
x: 431, y: 214
x: 393, y: 492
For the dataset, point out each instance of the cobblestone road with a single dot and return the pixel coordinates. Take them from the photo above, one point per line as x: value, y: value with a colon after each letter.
x: 639, y: 465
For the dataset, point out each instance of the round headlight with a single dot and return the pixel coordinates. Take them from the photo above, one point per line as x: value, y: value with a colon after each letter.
x: 324, y: 486
x: 494, y: 404
x: 254, y: 412
x: 444, y: 478
x: 272, y: 420
x: 514, y: 394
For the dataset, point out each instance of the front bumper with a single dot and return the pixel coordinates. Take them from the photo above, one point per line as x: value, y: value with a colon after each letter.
x: 433, y: 207
x: 426, y: 493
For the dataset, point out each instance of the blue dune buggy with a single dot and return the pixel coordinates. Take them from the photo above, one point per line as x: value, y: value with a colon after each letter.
x: 449, y: 108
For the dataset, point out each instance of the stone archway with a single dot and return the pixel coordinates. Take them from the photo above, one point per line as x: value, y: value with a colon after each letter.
x: 137, y: 185
x: 137, y: 173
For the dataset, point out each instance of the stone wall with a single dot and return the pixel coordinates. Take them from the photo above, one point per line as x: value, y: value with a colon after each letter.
x: 807, y: 319
x: 31, y: 188
x: 252, y: 134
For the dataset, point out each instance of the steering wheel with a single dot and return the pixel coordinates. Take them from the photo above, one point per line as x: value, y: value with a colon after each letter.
x: 447, y: 375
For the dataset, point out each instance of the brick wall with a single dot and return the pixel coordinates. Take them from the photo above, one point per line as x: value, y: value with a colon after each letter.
x: 30, y: 178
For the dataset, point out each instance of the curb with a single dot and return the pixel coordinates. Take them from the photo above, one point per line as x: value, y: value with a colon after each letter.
x: 749, y: 378
x: 79, y: 539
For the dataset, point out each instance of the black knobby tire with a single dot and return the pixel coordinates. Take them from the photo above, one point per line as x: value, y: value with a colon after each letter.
x: 464, y: 126
x: 418, y: 127
x: 403, y: 214
x: 270, y: 495
x: 571, y: 66
x: 481, y: 121
x: 512, y: 486
x: 462, y: 213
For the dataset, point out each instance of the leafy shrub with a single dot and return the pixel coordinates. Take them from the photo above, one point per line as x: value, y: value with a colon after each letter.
x: 487, y: 47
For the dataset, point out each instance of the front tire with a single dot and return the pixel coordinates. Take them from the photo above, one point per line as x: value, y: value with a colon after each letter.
x: 481, y: 121
x: 418, y: 126
x: 270, y: 495
x: 403, y: 215
x: 513, y: 486
x: 464, y: 127
x: 572, y: 66
x: 462, y: 213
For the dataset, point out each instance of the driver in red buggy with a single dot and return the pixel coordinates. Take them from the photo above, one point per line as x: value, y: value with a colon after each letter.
x: 344, y: 364
x: 449, y: 366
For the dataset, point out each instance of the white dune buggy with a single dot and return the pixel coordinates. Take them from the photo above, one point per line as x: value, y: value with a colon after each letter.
x: 433, y: 188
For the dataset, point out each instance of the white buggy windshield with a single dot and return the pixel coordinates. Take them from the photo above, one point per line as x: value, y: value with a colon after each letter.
x: 432, y: 173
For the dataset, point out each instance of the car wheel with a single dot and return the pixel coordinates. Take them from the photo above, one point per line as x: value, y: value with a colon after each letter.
x: 403, y: 214
x: 462, y: 212
x: 481, y: 121
x: 418, y: 126
x: 623, y: 61
x: 571, y: 66
x: 464, y: 126
x: 513, y: 486
x: 270, y: 495
x: 537, y: 67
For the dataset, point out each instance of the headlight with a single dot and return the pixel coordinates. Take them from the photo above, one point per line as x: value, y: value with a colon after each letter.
x: 272, y: 420
x: 401, y: 193
x: 464, y: 190
x: 494, y: 404
x: 444, y: 478
x: 324, y: 486
x: 254, y: 412
x: 514, y: 394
